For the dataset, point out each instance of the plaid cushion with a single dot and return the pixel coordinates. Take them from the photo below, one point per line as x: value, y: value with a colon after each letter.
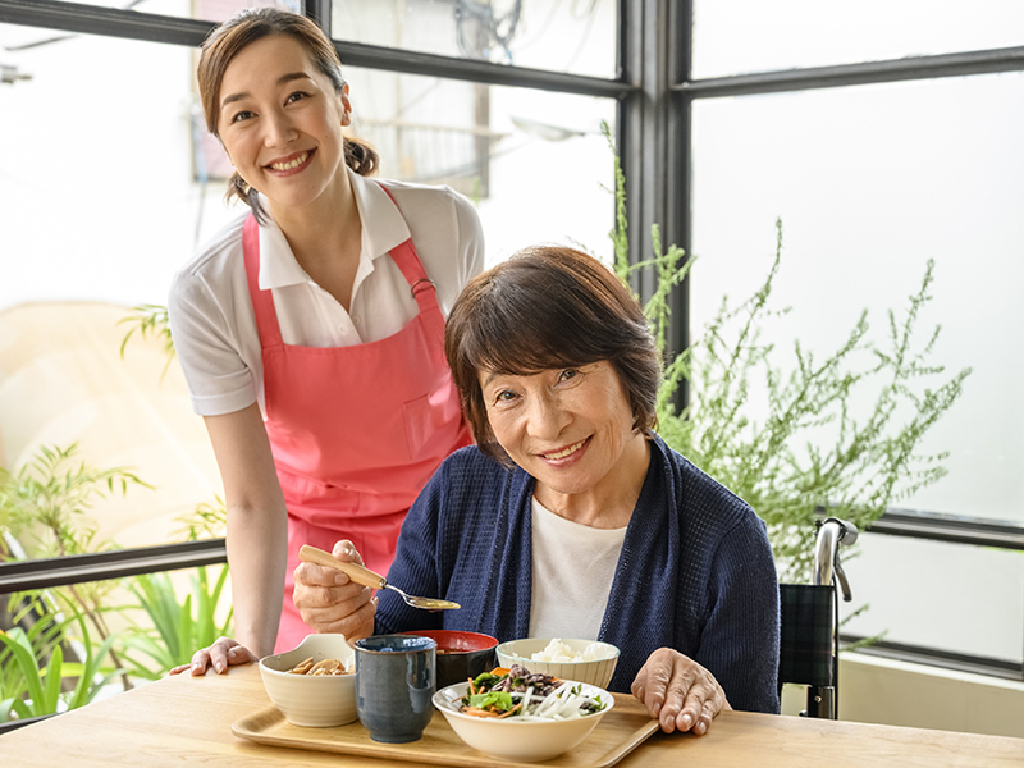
x: 806, y: 650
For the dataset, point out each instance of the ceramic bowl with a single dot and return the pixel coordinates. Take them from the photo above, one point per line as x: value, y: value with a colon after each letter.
x: 596, y: 672
x: 313, y: 700
x: 516, y: 740
x: 460, y: 655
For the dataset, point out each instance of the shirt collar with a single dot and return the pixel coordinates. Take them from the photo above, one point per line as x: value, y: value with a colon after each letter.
x: 383, y: 228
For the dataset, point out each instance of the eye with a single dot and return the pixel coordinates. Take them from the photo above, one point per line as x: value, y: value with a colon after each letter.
x: 244, y: 114
x: 569, y: 377
x: 296, y: 96
x: 504, y: 398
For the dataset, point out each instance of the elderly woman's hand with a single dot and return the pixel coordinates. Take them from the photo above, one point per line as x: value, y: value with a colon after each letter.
x: 224, y: 653
x: 330, y: 602
x: 678, y: 691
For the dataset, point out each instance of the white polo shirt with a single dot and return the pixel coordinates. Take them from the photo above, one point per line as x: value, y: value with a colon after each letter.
x: 211, y: 314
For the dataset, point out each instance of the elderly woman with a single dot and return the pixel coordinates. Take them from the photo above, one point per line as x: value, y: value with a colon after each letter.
x: 571, y: 518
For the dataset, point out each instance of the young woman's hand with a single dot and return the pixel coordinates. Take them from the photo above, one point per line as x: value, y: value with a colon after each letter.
x: 330, y: 602
x: 224, y: 653
x: 682, y: 694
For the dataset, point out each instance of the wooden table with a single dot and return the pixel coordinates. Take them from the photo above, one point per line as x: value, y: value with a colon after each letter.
x: 184, y: 721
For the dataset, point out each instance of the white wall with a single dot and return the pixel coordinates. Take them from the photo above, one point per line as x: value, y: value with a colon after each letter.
x: 875, y: 690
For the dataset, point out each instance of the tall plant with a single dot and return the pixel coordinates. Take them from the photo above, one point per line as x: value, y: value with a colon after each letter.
x: 810, y: 451
x: 45, y: 504
x: 178, y: 626
x: 33, y: 670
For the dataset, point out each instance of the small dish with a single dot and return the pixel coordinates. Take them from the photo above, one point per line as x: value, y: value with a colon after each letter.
x: 460, y: 655
x: 319, y: 701
x: 518, y: 740
x: 596, y: 671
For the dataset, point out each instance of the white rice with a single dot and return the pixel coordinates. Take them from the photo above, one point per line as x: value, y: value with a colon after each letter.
x: 557, y: 651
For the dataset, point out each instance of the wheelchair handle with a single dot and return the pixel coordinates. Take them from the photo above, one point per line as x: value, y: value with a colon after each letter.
x: 833, y: 535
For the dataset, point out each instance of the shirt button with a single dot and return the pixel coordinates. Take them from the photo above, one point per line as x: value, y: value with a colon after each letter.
x: 356, y: 319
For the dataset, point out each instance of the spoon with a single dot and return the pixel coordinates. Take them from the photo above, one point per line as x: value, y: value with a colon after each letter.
x: 368, y: 578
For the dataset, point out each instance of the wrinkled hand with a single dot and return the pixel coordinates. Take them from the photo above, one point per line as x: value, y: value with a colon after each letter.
x: 224, y: 653
x: 682, y: 694
x: 332, y: 604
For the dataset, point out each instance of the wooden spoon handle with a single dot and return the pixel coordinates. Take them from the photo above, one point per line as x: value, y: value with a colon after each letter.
x: 356, y: 572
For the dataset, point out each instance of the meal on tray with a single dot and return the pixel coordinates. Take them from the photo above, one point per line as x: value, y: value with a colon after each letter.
x: 324, y: 667
x: 524, y: 695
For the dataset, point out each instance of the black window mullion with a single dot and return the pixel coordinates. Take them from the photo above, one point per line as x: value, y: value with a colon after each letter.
x: 470, y: 70
x: 109, y: 22
x: 677, y: 221
x: 149, y: 27
x: 319, y: 11
x: 653, y: 137
x: 930, y: 67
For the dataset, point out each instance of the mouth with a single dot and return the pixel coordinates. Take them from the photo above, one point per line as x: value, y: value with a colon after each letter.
x: 291, y: 163
x: 564, y: 453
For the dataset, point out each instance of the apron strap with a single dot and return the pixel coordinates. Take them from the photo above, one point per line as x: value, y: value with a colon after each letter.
x: 408, y: 261
x: 262, y: 301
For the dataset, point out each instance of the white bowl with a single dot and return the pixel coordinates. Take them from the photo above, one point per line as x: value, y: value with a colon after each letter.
x: 597, y: 672
x: 516, y: 740
x: 315, y: 700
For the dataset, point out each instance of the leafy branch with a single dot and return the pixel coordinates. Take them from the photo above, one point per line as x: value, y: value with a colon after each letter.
x: 149, y: 320
x: 810, y: 451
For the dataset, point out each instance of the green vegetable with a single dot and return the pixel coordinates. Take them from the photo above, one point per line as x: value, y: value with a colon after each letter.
x: 498, y: 699
x: 593, y: 706
x: 485, y: 680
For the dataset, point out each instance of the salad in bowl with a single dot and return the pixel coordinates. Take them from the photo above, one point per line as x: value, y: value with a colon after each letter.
x: 519, y: 715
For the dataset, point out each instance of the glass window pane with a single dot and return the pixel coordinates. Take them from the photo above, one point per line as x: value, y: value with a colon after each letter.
x: 101, y: 209
x: 219, y: 10
x: 870, y: 183
x: 951, y: 597
x: 577, y: 36
x: 535, y: 162
x: 739, y: 36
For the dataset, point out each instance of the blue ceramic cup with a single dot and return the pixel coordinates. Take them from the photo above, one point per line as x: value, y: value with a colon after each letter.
x: 395, y: 685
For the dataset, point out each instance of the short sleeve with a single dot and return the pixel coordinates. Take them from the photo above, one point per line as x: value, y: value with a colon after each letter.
x: 206, y: 344
x: 471, y: 239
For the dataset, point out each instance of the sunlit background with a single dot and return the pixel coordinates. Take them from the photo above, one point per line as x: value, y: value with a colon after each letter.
x: 108, y: 184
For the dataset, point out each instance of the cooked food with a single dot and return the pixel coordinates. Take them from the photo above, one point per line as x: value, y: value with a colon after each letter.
x: 325, y: 667
x: 557, y: 651
x: 524, y: 695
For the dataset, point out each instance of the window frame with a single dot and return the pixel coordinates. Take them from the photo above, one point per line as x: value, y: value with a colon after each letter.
x: 654, y: 93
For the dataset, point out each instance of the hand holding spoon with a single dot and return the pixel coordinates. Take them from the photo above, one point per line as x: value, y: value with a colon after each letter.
x: 368, y: 578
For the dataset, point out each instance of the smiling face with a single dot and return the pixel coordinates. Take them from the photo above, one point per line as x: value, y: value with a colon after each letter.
x: 280, y: 121
x: 572, y: 429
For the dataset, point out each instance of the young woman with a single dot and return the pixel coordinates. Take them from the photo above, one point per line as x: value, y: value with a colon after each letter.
x: 310, y: 330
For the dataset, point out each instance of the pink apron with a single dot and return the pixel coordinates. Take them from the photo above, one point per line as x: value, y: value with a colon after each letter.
x: 356, y: 431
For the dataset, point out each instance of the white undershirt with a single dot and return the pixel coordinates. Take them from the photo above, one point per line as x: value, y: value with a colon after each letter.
x: 573, y: 569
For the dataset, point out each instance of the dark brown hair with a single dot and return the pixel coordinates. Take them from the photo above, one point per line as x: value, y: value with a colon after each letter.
x: 549, y: 307
x: 236, y: 34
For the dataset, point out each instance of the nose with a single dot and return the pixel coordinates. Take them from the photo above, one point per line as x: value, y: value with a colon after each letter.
x: 278, y: 130
x: 546, y: 418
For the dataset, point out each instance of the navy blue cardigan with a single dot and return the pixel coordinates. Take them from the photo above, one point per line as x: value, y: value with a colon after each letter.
x: 695, y: 574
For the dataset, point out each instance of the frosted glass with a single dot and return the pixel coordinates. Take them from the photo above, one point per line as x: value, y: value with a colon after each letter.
x: 739, y: 36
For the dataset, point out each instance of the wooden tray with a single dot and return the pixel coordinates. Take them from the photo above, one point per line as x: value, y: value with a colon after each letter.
x: 619, y: 733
